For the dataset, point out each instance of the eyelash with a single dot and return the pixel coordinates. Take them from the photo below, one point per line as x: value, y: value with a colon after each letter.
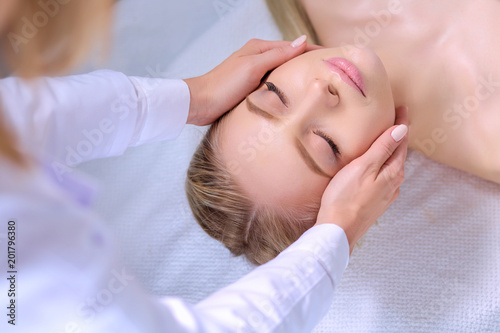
x: 271, y: 87
x: 329, y: 140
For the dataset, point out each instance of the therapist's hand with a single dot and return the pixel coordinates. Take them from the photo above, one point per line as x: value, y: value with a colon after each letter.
x: 361, y: 191
x: 226, y: 85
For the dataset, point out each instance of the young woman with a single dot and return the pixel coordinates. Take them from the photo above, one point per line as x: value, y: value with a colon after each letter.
x: 255, y: 182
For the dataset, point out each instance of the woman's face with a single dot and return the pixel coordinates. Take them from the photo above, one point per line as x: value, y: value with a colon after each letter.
x: 312, y: 116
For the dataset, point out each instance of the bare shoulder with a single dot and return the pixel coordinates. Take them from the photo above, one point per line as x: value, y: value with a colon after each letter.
x: 466, y: 135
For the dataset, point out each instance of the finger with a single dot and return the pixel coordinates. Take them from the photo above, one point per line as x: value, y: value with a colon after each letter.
x: 383, y: 148
x: 399, y: 155
x: 259, y: 46
x: 277, y: 56
x: 313, y: 47
x: 393, y: 168
x: 401, y: 115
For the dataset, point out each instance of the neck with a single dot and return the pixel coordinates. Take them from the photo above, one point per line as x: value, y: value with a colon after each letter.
x: 418, y: 78
x: 413, y: 80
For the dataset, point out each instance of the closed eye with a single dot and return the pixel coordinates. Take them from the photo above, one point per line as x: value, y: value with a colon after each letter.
x: 272, y: 87
x: 330, y: 142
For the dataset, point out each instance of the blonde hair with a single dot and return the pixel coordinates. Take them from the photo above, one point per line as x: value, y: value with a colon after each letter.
x: 292, y: 19
x: 44, y: 40
x: 224, y: 211
x: 49, y: 37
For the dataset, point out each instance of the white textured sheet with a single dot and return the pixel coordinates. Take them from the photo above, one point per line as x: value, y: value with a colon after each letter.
x: 431, y: 265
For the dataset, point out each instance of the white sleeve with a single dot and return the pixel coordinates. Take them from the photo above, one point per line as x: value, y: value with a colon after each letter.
x: 291, y: 293
x: 82, y: 117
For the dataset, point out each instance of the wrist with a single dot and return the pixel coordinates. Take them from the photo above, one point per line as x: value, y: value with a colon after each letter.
x: 346, y: 219
x: 198, y: 100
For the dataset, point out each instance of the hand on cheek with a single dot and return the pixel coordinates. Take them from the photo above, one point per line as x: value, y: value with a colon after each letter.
x: 360, y: 192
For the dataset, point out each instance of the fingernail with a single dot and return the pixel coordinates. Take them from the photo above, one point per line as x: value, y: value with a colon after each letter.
x: 299, y: 41
x: 399, y: 132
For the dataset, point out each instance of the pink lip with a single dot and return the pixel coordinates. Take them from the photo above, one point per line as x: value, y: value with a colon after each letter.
x: 349, y: 73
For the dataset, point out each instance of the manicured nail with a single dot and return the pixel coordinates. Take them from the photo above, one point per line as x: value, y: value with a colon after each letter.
x: 299, y: 41
x: 399, y: 132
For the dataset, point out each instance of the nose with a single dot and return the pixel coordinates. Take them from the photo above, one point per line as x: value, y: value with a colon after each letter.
x: 320, y: 99
x: 325, y: 92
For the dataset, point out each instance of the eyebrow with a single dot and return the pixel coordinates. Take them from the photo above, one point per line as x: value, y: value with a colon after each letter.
x: 308, y: 160
x: 258, y: 111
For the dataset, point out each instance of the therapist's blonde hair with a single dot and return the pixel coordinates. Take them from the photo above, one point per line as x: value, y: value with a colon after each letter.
x: 292, y: 19
x: 62, y: 35
x: 226, y: 213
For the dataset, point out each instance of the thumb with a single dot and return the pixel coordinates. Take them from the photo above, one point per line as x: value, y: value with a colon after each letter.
x: 279, y: 55
x: 383, y: 148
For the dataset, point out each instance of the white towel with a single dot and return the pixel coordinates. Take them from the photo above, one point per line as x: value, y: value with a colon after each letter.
x: 431, y: 265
